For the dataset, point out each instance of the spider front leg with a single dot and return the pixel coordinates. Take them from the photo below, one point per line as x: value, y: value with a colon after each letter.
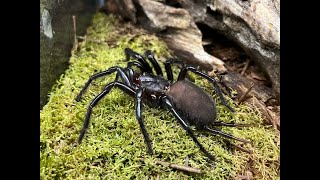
x: 137, y: 64
x: 186, y: 127
x: 155, y: 64
x: 94, y: 102
x: 139, y: 107
x: 130, y: 71
x: 129, y: 52
x: 182, y: 76
x: 120, y: 72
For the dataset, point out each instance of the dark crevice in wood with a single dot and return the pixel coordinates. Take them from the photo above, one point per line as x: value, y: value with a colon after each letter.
x: 216, y: 14
x: 173, y: 3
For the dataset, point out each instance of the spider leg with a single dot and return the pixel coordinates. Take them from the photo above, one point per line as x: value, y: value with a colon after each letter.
x: 139, y: 107
x: 186, y: 68
x: 214, y: 131
x: 129, y: 52
x: 94, y: 102
x: 155, y: 64
x: 221, y: 123
x: 130, y: 71
x: 138, y: 64
x: 120, y: 72
x: 124, y: 77
x: 228, y: 89
x: 167, y: 66
x: 186, y: 127
x: 129, y: 74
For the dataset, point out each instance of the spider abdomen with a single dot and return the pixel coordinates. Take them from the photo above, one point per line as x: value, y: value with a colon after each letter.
x: 192, y: 103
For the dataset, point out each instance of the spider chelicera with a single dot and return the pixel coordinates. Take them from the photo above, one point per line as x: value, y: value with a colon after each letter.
x: 187, y: 102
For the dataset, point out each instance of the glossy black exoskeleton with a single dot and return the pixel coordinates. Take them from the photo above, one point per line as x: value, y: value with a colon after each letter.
x: 186, y: 101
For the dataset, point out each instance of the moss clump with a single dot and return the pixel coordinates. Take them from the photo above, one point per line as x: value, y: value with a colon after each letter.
x: 113, y: 147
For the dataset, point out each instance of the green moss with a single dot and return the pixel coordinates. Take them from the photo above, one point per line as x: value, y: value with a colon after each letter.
x: 113, y: 147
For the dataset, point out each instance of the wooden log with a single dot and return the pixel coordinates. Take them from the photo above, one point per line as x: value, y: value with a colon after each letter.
x: 254, y: 25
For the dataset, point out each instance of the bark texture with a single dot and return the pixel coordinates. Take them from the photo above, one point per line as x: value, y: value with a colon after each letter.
x: 253, y: 24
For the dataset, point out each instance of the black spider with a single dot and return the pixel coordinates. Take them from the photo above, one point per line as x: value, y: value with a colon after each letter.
x: 188, y: 103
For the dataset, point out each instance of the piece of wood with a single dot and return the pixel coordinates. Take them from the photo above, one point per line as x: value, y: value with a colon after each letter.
x: 179, y: 31
x: 241, y: 84
x: 179, y: 167
x: 254, y: 25
x: 257, y: 96
x: 245, y: 67
x: 246, y: 93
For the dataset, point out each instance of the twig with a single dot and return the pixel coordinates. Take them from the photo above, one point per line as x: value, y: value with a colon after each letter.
x: 245, y: 67
x: 272, y: 118
x: 75, y: 33
x: 92, y: 40
x: 187, y: 164
x: 261, y: 106
x: 246, y: 93
x: 82, y: 37
x: 75, y: 29
x: 242, y: 177
x: 187, y: 161
x: 158, y: 177
x: 179, y: 167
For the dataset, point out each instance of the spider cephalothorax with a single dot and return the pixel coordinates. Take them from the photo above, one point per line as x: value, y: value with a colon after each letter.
x: 186, y: 101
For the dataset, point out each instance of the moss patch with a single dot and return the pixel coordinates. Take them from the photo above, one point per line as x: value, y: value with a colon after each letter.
x: 114, y: 148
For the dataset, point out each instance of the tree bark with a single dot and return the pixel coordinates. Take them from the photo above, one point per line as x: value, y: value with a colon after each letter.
x: 253, y: 24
